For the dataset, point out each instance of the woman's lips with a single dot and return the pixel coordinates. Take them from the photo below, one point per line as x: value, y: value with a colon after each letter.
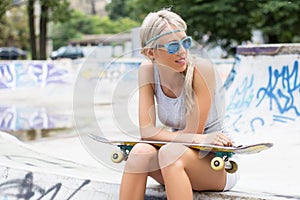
x: 180, y: 61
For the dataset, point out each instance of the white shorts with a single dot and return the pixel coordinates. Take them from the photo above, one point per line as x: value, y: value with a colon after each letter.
x: 231, y: 180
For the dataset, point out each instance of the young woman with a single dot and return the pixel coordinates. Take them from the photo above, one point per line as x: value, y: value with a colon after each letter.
x: 183, y: 92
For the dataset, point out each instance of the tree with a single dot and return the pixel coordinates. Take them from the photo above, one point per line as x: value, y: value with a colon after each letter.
x: 81, y: 24
x: 54, y: 10
x: 136, y: 9
x: 278, y: 20
x: 13, y: 27
x: 4, y: 4
x: 225, y: 21
x: 93, y: 7
x: 116, y: 9
x: 30, y: 11
x: 229, y: 22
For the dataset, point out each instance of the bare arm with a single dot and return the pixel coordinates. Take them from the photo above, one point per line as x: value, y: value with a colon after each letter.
x: 147, y: 113
x: 204, y: 87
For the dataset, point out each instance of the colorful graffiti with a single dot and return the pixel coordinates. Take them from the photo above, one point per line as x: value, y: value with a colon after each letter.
x: 282, y: 89
x: 265, y: 93
x: 242, y: 95
x: 14, y: 118
x: 55, y: 80
x: 32, y: 74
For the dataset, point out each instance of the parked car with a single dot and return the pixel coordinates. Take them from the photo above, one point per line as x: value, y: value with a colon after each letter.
x: 67, y: 52
x: 12, y: 53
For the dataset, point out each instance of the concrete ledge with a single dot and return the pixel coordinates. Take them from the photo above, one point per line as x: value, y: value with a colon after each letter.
x: 22, y: 184
x: 269, y: 49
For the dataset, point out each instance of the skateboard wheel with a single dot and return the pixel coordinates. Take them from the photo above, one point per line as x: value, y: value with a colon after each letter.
x: 231, y: 167
x: 117, y: 157
x: 217, y: 163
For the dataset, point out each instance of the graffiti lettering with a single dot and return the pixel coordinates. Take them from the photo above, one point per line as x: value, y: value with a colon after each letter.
x: 36, y: 74
x: 26, y: 189
x: 6, y: 76
x: 22, y: 118
x: 282, y: 87
x: 242, y: 96
x: 232, y: 73
x: 256, y: 119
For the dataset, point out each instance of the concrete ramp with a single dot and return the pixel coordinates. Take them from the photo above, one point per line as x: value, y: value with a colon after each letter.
x: 263, y: 89
x: 29, y: 174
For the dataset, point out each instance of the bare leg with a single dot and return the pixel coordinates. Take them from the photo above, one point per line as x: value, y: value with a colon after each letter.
x: 142, y: 162
x: 183, y: 171
x: 133, y: 186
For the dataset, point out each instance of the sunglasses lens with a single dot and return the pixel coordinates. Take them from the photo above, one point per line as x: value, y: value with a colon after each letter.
x: 187, y: 43
x: 173, y: 47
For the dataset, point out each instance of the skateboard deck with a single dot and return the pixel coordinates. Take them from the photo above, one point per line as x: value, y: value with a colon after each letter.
x: 221, y: 159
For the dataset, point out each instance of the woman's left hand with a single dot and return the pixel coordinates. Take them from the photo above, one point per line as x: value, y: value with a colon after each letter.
x: 219, y: 138
x: 223, y: 140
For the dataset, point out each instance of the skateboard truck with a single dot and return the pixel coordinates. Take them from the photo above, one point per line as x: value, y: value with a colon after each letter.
x: 221, y: 161
x: 119, y: 156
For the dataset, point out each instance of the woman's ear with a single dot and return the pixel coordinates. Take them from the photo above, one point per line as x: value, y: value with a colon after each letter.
x: 150, y: 54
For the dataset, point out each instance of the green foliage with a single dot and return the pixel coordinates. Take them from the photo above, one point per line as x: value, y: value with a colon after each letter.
x: 59, y: 10
x: 138, y: 9
x: 278, y: 19
x: 80, y: 24
x: 116, y: 9
x: 227, y: 22
x: 14, y: 29
x: 4, y: 4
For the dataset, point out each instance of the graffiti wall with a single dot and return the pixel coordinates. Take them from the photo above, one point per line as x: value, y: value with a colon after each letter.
x: 15, y: 118
x: 39, y: 94
x: 15, y: 74
x: 30, y: 89
x: 263, y: 91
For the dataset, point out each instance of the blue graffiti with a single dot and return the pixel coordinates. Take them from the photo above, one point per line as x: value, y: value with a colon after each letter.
x: 236, y: 122
x: 6, y: 76
x: 232, y: 73
x: 282, y: 119
x: 260, y: 120
x: 21, y: 74
x: 13, y: 119
x: 282, y: 88
x: 242, y: 96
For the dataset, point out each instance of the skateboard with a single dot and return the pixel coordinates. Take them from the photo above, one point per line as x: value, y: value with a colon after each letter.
x: 222, y: 155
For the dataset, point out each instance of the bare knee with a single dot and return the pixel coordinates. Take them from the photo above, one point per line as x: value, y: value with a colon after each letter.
x: 143, y: 148
x: 142, y: 159
x: 171, y: 156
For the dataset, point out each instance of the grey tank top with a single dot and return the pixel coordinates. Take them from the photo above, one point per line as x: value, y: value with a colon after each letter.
x: 171, y: 111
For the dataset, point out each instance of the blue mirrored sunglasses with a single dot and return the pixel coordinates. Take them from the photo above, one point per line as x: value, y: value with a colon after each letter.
x: 173, y: 47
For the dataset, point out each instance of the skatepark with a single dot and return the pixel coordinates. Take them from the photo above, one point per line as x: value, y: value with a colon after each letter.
x: 262, y: 87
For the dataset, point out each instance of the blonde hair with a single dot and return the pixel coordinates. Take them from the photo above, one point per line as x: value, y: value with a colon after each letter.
x: 153, y: 25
